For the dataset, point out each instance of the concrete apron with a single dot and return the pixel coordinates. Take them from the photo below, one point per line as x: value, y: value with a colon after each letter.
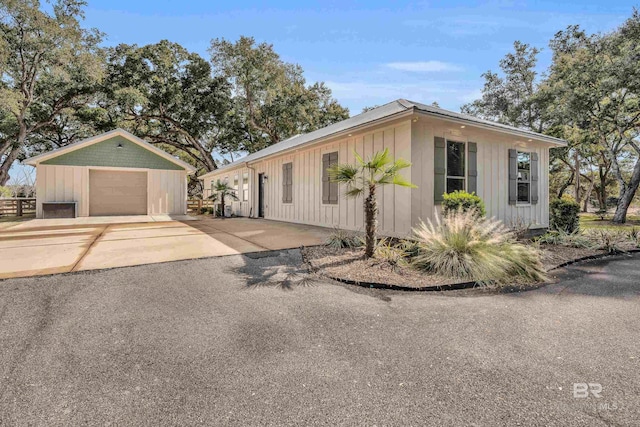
x: 41, y: 247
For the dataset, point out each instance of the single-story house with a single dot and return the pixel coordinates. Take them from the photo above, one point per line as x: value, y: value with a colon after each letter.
x: 115, y: 173
x: 506, y: 166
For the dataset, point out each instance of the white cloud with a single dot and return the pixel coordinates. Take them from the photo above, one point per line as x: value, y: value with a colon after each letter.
x: 424, y: 66
x: 450, y: 94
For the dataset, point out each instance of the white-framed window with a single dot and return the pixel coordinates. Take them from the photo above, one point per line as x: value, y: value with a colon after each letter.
x: 524, y: 177
x: 245, y: 187
x: 456, y: 166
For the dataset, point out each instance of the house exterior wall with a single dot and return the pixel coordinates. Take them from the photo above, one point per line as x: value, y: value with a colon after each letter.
x: 400, y: 208
x: 239, y: 207
x: 307, y: 206
x: 493, y: 172
x: 166, y: 189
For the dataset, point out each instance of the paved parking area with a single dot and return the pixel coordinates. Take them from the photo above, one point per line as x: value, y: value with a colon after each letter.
x: 244, y: 340
x: 40, y: 247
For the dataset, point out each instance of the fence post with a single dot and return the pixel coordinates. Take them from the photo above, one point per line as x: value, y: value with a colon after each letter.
x: 19, y: 207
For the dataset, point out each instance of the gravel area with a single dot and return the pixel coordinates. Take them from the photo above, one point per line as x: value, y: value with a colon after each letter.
x: 349, y: 264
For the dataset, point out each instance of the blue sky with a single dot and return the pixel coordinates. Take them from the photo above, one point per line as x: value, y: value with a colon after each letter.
x: 368, y: 52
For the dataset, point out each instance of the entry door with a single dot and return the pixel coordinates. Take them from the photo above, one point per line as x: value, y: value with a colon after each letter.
x: 261, y: 195
x: 117, y: 193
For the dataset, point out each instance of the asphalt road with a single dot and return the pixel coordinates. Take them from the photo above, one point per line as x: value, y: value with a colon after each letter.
x: 242, y: 341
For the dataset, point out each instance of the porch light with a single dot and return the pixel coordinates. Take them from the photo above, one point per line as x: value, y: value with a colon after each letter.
x: 119, y: 145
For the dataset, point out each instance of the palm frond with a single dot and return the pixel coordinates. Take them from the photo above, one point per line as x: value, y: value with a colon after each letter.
x: 354, y: 191
x: 378, y: 161
x: 343, y: 173
x: 402, y: 182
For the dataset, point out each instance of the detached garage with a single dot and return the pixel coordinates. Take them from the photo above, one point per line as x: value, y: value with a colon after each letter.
x: 115, y: 173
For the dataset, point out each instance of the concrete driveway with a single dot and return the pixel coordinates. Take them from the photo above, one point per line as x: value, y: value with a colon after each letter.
x: 40, y: 247
x: 246, y: 341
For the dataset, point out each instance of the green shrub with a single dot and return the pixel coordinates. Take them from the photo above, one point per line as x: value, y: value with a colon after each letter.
x: 410, y: 247
x: 391, y: 255
x: 562, y: 238
x: 564, y: 215
x: 463, y: 246
x: 344, y: 239
x: 462, y: 201
x: 206, y: 210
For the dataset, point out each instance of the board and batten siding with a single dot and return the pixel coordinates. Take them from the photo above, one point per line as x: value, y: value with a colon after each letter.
x: 394, y: 215
x: 400, y: 208
x: 166, y: 189
x: 493, y: 173
x: 307, y: 207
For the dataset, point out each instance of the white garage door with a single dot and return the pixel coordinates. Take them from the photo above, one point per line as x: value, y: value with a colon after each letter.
x: 117, y: 193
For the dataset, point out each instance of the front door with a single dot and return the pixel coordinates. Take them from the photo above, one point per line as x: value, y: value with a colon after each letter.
x: 261, y: 195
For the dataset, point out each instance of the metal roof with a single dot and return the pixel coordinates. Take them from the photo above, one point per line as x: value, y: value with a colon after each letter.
x: 385, y: 111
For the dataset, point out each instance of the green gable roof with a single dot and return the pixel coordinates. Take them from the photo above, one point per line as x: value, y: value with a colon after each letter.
x: 107, y: 153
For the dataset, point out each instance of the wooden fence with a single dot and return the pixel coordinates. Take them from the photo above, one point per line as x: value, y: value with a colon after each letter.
x: 17, y: 207
x: 194, y: 205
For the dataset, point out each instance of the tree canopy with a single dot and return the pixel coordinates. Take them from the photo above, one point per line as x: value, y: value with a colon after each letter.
x: 60, y: 84
x: 589, y: 96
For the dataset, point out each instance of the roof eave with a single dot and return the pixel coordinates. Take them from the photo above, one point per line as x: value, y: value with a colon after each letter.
x: 522, y: 133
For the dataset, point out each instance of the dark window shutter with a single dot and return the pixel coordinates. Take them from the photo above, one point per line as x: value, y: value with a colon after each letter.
x: 333, y: 190
x: 472, y: 185
x: 534, y: 178
x: 325, y: 178
x: 439, y: 178
x: 513, y: 176
x: 284, y: 183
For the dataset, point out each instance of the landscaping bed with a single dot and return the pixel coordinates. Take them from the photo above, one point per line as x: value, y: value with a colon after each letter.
x: 350, y: 266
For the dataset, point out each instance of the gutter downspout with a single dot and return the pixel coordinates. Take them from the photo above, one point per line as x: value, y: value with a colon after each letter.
x: 252, y: 189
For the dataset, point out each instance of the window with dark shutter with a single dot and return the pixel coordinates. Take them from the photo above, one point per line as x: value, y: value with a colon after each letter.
x: 287, y: 183
x: 329, y: 189
x: 523, y: 192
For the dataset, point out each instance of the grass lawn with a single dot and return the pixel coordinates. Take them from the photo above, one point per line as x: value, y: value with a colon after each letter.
x: 588, y: 221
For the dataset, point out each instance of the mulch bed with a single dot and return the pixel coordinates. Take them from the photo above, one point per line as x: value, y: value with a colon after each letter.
x: 349, y: 265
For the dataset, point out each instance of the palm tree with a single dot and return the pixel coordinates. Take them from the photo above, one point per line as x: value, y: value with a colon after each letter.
x: 221, y: 190
x: 367, y: 176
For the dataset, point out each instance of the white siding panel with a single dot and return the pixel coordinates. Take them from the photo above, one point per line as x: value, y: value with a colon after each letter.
x: 399, y: 208
x: 54, y: 183
x: 493, y: 148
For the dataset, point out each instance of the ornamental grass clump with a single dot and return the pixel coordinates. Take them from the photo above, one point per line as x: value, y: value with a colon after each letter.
x: 465, y: 246
x: 344, y: 239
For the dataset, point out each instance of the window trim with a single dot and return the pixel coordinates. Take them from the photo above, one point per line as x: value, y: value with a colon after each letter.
x: 518, y: 202
x: 465, y: 177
